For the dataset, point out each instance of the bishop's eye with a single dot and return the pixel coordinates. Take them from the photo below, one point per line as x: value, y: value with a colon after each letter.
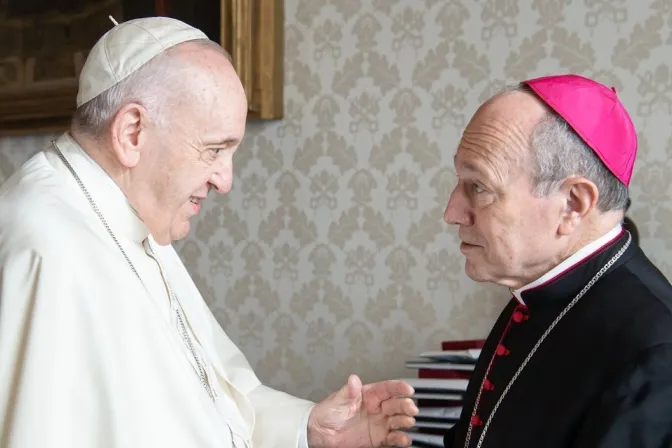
x: 477, y: 188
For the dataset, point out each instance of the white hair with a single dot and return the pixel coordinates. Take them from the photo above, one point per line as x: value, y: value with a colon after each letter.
x: 559, y: 153
x: 153, y: 86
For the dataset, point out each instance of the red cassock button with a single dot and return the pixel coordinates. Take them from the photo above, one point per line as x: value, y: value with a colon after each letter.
x: 476, y: 420
x: 487, y: 385
x: 501, y: 350
x: 518, y: 317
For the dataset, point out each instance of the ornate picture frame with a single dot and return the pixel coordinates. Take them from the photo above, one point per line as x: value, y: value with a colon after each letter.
x: 45, y: 44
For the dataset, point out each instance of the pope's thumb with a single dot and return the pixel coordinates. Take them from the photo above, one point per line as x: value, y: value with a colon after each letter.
x: 354, y: 390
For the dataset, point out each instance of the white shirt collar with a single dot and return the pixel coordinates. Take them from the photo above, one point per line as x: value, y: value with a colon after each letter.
x: 573, y: 260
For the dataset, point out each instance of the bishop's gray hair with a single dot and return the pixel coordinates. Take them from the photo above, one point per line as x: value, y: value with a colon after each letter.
x: 559, y: 152
x: 153, y: 85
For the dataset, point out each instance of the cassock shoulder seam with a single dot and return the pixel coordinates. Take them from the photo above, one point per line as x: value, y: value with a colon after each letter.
x: 662, y: 291
x: 663, y: 349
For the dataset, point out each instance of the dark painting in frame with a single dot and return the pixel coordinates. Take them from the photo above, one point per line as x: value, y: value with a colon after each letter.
x: 44, y: 43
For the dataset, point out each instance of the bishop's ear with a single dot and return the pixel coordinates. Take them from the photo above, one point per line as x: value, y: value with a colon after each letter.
x: 579, y: 200
x: 128, y: 132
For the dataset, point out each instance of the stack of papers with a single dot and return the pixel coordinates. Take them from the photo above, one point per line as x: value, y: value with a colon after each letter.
x: 440, y: 385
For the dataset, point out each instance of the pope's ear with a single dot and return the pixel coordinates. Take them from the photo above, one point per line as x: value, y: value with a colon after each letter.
x: 128, y: 132
x: 579, y: 197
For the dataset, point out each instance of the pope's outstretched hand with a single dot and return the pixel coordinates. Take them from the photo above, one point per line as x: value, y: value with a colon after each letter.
x: 358, y: 416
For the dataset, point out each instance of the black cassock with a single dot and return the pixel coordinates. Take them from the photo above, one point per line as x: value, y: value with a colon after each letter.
x: 601, y: 378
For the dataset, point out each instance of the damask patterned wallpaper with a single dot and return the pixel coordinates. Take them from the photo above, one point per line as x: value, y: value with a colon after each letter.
x: 330, y: 255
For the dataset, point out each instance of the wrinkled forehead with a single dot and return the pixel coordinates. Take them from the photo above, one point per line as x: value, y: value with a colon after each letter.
x: 498, y: 137
x: 492, y: 145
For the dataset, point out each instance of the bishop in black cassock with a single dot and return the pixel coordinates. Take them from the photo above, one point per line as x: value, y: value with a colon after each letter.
x: 581, y: 357
x: 603, y: 375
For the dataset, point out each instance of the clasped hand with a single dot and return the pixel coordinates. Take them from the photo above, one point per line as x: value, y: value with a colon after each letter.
x: 358, y: 416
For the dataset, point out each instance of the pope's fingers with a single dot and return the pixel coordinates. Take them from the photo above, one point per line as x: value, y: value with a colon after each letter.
x: 398, y: 387
x: 398, y: 439
x: 391, y: 388
x: 397, y: 422
x: 395, y: 406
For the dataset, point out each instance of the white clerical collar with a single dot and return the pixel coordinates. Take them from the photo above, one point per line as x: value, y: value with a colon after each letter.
x: 107, y: 195
x: 573, y: 260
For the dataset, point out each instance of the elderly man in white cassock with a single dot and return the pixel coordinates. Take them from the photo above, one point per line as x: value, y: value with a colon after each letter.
x: 104, y: 339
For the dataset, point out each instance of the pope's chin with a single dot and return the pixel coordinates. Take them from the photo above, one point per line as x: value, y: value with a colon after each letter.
x: 179, y: 229
x: 180, y: 225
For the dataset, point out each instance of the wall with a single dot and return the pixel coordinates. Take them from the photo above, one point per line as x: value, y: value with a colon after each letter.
x: 330, y: 255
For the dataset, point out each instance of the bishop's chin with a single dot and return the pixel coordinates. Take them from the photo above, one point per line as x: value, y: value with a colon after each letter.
x: 475, y: 271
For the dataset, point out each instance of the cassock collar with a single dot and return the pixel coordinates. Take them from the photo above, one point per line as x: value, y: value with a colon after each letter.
x: 568, y: 278
x: 107, y: 195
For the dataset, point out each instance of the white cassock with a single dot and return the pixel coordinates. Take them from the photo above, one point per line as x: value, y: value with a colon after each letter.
x: 93, y: 350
